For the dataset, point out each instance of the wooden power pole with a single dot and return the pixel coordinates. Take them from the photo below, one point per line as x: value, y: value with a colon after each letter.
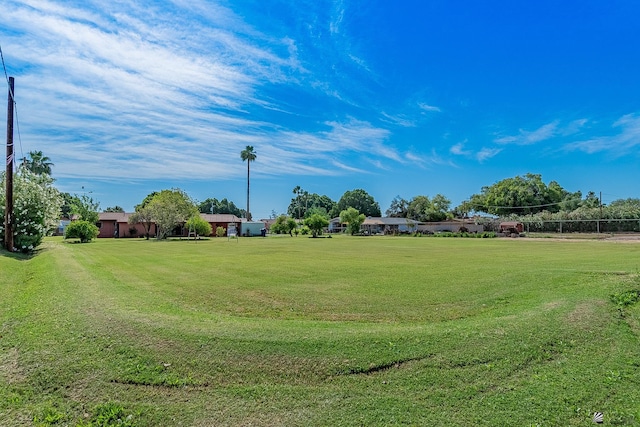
x: 8, y: 206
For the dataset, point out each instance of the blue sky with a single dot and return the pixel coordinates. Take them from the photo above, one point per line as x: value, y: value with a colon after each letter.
x: 397, y: 98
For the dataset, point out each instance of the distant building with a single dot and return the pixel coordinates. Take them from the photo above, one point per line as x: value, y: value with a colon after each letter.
x: 116, y: 224
x: 389, y: 225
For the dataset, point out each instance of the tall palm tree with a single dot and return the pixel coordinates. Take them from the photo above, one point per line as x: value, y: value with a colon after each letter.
x: 297, y: 191
x: 249, y: 155
x: 38, y: 163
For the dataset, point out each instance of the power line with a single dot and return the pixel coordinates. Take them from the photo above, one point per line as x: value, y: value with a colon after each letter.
x: 526, y: 207
x: 4, y: 68
x: 15, y: 106
x: 6, y: 76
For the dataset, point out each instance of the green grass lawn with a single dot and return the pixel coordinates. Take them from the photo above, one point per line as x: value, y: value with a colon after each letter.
x: 328, y: 332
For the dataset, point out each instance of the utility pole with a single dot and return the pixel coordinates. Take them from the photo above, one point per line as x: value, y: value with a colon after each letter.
x: 600, y: 217
x: 8, y: 206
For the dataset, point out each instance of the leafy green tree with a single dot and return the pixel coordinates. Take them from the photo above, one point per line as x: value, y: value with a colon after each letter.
x: 418, y: 207
x: 353, y: 219
x: 623, y: 209
x: 423, y: 209
x: 283, y: 224
x: 316, y: 224
x: 278, y: 227
x: 170, y: 208
x: 144, y: 216
x: 224, y: 206
x: 359, y: 200
x: 591, y: 200
x: 317, y: 210
x: 148, y: 199
x: 305, y: 204
x: 439, y: 208
x: 463, y: 209
x: 291, y: 225
x: 38, y: 163
x: 36, y: 209
x: 399, y: 208
x: 201, y: 227
x: 81, y: 229
x: 571, y: 201
x: 66, y: 210
x: 630, y: 204
x: 85, y: 208
x: 115, y: 208
x: 520, y: 195
x: 249, y: 156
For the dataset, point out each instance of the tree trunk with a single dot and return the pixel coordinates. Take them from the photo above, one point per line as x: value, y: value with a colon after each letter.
x: 248, y: 214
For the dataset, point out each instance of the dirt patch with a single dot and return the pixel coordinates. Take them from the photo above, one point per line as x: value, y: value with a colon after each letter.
x: 628, y: 238
x: 10, y: 367
x: 584, y: 314
x: 625, y: 238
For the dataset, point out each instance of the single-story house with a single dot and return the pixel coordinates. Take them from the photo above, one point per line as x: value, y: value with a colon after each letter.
x: 388, y: 225
x: 378, y: 225
x: 251, y: 228
x: 116, y: 224
x: 216, y: 220
x: 453, y: 225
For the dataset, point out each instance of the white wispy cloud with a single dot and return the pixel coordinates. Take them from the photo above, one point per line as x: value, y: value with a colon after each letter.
x: 459, y: 150
x: 627, y: 138
x: 398, y: 120
x: 487, y: 153
x: 543, y: 133
x: 525, y: 137
x: 173, y: 90
x: 427, y: 160
x: 430, y: 108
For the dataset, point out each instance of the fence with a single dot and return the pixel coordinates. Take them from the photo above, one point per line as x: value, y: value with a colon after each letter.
x: 583, y: 226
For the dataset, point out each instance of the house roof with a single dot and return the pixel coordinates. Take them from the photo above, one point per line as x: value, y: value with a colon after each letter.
x: 114, y: 216
x: 124, y: 217
x: 220, y: 218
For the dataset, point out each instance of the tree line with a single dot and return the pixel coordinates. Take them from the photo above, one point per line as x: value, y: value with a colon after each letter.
x: 39, y: 206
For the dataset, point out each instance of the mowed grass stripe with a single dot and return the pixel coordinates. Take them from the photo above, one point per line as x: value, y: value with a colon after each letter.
x: 342, y: 331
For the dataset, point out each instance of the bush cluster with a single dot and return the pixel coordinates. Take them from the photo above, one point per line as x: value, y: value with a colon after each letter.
x: 36, y: 209
x: 83, y: 230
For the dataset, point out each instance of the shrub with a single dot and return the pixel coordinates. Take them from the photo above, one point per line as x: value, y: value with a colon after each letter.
x: 133, y: 231
x: 201, y: 227
x: 316, y: 223
x: 83, y: 230
x: 625, y: 299
x: 36, y: 209
x: 221, y: 231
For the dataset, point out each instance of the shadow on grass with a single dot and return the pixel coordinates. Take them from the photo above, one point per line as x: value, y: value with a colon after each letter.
x: 20, y: 256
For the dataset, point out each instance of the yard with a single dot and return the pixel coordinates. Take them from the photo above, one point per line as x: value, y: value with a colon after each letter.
x: 329, y: 332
